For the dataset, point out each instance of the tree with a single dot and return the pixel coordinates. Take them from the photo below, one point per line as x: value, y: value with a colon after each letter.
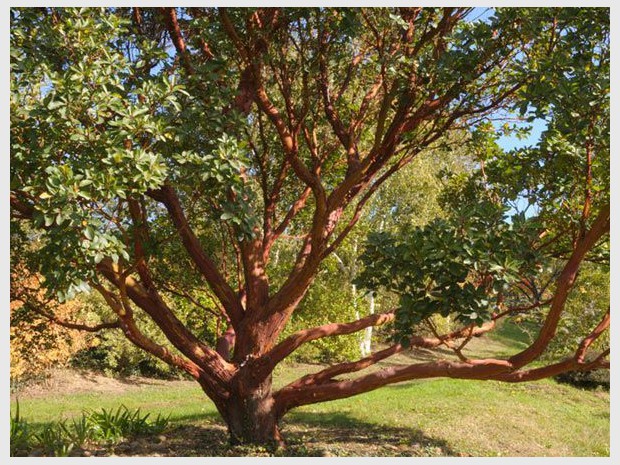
x: 159, y: 146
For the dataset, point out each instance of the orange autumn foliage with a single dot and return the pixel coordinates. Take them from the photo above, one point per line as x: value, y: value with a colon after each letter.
x: 36, y: 345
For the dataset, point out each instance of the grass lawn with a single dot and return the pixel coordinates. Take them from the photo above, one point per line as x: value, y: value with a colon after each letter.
x: 419, y: 418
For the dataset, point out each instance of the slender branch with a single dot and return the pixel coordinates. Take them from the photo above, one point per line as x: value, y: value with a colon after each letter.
x: 232, y: 33
x: 69, y: 324
x: 287, y: 397
x: 330, y: 110
x: 331, y: 372
x: 363, y: 200
x: 521, y: 309
x: 299, y: 203
x: 553, y: 369
x: 291, y: 343
x: 184, y: 295
x: 222, y: 290
x: 322, y: 386
x: 174, y: 330
x: 587, y: 203
x: 18, y: 204
x: 172, y: 26
x: 82, y: 327
x: 580, y: 354
x: 127, y: 323
x: 415, y: 341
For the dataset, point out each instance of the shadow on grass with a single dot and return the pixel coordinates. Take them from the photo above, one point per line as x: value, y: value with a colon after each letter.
x: 306, y: 434
x: 343, y: 435
x: 204, y: 434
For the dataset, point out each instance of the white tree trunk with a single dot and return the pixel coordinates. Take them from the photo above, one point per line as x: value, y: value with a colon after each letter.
x: 365, y: 345
x: 351, y: 271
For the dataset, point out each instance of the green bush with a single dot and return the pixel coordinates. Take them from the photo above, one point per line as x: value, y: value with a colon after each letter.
x: 115, y: 356
x: 112, y: 425
x: 53, y: 441
x: 592, y: 379
x: 329, y: 300
x: 59, y: 439
x: 20, y: 434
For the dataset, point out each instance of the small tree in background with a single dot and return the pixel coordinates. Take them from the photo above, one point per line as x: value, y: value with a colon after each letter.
x: 164, y: 152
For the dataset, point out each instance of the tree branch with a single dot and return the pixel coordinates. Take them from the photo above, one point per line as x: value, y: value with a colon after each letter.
x: 580, y: 355
x: 171, y: 326
x: 221, y: 289
x: 290, y: 397
x: 291, y: 343
x: 127, y: 323
x: 18, y: 204
x: 172, y: 26
x: 564, y: 284
x: 68, y: 324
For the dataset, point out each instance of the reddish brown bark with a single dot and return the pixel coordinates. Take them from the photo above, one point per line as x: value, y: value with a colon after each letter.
x: 172, y: 25
x: 580, y: 355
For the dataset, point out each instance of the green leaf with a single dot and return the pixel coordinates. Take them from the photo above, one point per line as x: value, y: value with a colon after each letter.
x: 89, y: 233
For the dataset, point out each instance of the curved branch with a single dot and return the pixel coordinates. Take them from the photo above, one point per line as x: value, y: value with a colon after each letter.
x: 291, y: 343
x: 288, y: 398
x: 524, y: 308
x: 360, y: 204
x: 221, y: 289
x: 290, y: 214
x: 330, y: 111
x: 564, y: 284
x: 229, y: 28
x: 132, y: 332
x: 580, y: 355
x: 82, y: 327
x: 347, y: 367
x: 174, y: 330
x: 415, y: 341
x: 554, y: 369
x: 24, y: 209
x: 323, y: 386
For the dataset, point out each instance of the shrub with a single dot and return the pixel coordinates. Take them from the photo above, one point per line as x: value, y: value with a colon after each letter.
x: 112, y: 425
x: 334, y: 299
x: 59, y: 439
x: 20, y: 434
x: 53, y: 440
x: 37, y: 346
x: 591, y: 379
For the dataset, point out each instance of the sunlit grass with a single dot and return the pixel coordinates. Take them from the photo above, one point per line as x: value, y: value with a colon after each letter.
x: 481, y: 418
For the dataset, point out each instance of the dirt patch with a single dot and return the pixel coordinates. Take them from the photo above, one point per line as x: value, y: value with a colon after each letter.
x: 68, y: 381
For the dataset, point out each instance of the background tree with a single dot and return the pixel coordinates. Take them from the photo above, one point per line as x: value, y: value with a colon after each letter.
x: 409, y: 197
x: 209, y: 134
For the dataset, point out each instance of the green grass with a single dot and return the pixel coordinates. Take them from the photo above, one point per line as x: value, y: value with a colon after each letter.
x: 183, y: 401
x: 486, y: 418
x: 469, y: 417
x: 443, y: 416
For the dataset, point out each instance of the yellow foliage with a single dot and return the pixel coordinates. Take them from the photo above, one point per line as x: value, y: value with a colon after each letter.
x: 38, y: 344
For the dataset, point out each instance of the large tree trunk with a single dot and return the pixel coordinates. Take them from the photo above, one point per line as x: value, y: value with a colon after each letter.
x: 251, y: 414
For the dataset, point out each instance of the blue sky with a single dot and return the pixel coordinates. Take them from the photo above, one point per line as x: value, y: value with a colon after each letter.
x: 538, y: 126
x: 512, y: 142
